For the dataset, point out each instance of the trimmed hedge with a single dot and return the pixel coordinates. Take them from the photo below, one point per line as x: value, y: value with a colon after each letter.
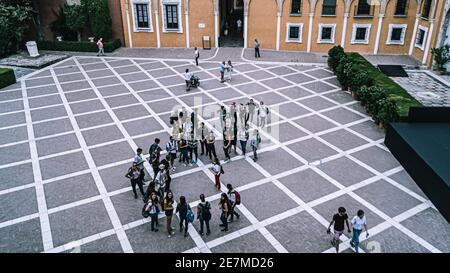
x: 7, y: 77
x: 109, y: 46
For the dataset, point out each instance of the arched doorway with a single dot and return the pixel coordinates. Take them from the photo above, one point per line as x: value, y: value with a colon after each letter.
x: 231, y: 26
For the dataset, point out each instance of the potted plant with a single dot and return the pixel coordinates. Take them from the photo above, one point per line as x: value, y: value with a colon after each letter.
x: 375, y: 93
x: 387, y: 112
x: 441, y: 57
x: 358, y: 78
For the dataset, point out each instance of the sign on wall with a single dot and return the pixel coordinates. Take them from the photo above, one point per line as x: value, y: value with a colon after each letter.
x: 201, y: 25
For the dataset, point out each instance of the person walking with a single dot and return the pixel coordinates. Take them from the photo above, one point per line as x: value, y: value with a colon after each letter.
x: 217, y: 170
x: 171, y: 148
x: 358, y: 223
x: 204, y: 214
x: 203, y: 135
x: 101, y: 50
x: 154, y: 152
x: 160, y: 181
x: 193, y: 148
x: 263, y: 111
x: 229, y: 69
x: 251, y: 105
x: 338, y: 221
x: 153, y: 210
x: 235, y: 199
x: 134, y: 175
x: 168, y: 210
x: 182, y: 209
x: 197, y: 55
x: 222, y: 72
x: 187, y: 78
x: 257, y: 45
x: 224, y: 206
x: 243, y: 138
x: 210, y: 145
x: 184, y: 152
x: 139, y: 160
x: 256, y: 139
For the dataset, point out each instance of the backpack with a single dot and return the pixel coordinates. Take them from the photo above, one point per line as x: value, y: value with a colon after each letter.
x: 206, y: 213
x: 145, y: 213
x: 237, y: 197
x: 221, y: 170
x: 190, y: 215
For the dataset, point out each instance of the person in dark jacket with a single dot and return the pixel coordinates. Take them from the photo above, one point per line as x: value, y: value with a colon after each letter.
x: 204, y: 214
x: 134, y: 174
x: 182, y: 209
x: 153, y: 209
x: 224, y: 206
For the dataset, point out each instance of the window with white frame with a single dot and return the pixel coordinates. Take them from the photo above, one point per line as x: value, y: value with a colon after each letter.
x: 396, y: 35
x: 326, y: 33
x: 172, y: 15
x: 421, y: 37
x: 361, y: 33
x: 294, y: 33
x: 142, y: 16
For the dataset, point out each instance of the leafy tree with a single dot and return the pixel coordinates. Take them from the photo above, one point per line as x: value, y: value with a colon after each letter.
x: 14, y: 15
x: 99, y: 17
x: 75, y: 18
x: 59, y: 26
x: 441, y: 56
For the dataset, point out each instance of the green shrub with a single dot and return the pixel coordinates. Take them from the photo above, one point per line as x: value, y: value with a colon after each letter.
x: 99, y: 18
x: 362, y: 94
x: 344, y: 62
x: 335, y: 54
x: 109, y: 46
x: 359, y: 78
x: 7, y: 77
x: 375, y: 93
x: 387, y: 111
x: 441, y: 56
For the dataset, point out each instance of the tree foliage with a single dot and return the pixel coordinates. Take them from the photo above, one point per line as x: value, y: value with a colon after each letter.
x: 99, y: 18
x: 75, y: 18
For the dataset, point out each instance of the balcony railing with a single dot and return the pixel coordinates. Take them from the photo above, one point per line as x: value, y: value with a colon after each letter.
x: 364, y: 11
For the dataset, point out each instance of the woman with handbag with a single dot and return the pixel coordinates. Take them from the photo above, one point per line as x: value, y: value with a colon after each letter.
x: 153, y: 210
x: 204, y: 214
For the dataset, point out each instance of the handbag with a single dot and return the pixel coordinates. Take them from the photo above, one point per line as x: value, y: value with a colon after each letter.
x: 145, y: 212
x: 190, y: 215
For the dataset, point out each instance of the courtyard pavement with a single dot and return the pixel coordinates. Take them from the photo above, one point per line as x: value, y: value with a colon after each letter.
x: 68, y: 134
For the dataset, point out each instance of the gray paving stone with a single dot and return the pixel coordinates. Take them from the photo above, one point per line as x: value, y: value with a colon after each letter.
x: 70, y: 77
x: 105, y: 81
x: 252, y: 242
x: 86, y: 106
x: 16, y: 176
x: 260, y: 201
x: 251, y: 88
x: 62, y: 165
x: 311, y: 149
x: 108, y: 244
x: 404, y: 179
x: 48, y: 113
x: 121, y: 100
x: 314, y: 123
x: 44, y: 101
x: 316, y: 103
x: 328, y: 209
x: 259, y: 75
x: 269, y: 98
x: 225, y: 94
x: 196, y: 99
x: 94, y: 119
x: 52, y: 127
x: 65, y: 70
x: 300, y: 233
x: 285, y: 132
x: 102, y: 134
x: 343, y: 139
x: 152, y: 66
x: 157, y: 73
x: 387, y: 198
x: 153, y: 95
x: 345, y: 171
x: 94, y: 66
x: 320, y: 73
x: 192, y: 185
x: 143, y: 240
x: 142, y: 126
x: 180, y: 89
x: 6, y: 107
x: 81, y: 95
x: 43, y: 90
x: 334, y: 82
x: 100, y: 73
x: 113, y: 90
x: 73, y: 86
x: 291, y: 110
x: 318, y: 86
x: 10, y: 95
x: 377, y: 158
x: 13, y: 135
x: 79, y: 222
x: 119, y: 62
x: 57, y: 144
x: 12, y: 119
x: 128, y: 209
x: 24, y: 237
x: 127, y: 69
x: 40, y: 81
x: 368, y: 129
x: 421, y: 224
x: 176, y: 79
x: 339, y: 97
x: 308, y: 185
x: 275, y: 83
x: 299, y: 78
x: 211, y: 84
x: 239, y: 173
x: 114, y: 177
x: 12, y: 204
x: 244, y: 67
x: 277, y: 161
x: 111, y: 153
x: 15, y: 153
x: 146, y: 141
x: 393, y: 241
x: 342, y: 115
x: 70, y: 190
x: 144, y: 85
x: 164, y: 105
x: 281, y: 70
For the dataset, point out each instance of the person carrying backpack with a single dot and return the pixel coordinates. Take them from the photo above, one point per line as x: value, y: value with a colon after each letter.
x: 134, y: 175
x: 204, y: 214
x: 235, y: 199
x: 153, y: 210
x: 224, y: 206
x: 154, y: 152
x: 217, y: 170
x: 183, y: 210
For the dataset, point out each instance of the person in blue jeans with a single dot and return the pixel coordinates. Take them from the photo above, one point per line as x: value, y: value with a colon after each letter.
x: 183, y: 208
x: 358, y: 222
x: 153, y: 209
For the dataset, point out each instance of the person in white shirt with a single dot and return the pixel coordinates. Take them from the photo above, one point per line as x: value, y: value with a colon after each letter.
x: 239, y: 25
x: 139, y: 160
x: 187, y: 78
x: 171, y: 148
x: 358, y: 222
x: 229, y: 69
x: 197, y: 55
x: 263, y: 111
x: 217, y: 170
x: 243, y: 138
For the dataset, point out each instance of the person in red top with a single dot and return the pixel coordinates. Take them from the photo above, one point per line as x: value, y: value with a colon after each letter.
x: 100, y: 47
